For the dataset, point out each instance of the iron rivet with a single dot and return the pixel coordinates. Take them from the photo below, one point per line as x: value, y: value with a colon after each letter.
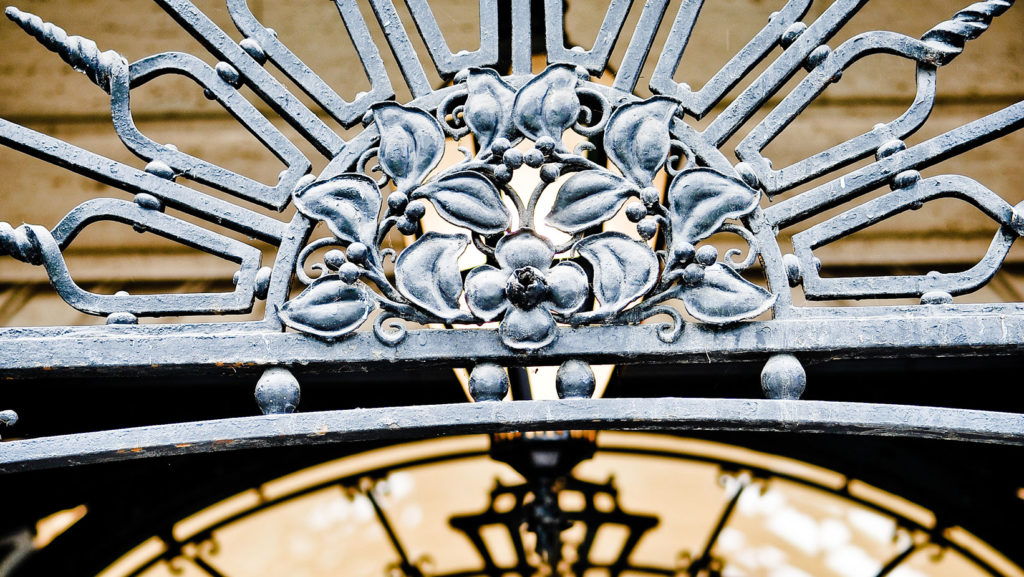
x: 122, y: 318
x: 794, y: 274
x: 148, y: 201
x: 936, y: 298
x: 253, y: 48
x: 161, y: 169
x: 261, y: 285
x: 229, y: 74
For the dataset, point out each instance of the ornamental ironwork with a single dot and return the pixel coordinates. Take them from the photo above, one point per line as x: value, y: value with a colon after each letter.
x: 576, y: 301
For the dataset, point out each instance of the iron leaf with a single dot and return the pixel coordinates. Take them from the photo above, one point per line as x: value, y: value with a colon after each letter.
x: 587, y: 199
x: 411, y: 143
x: 624, y: 269
x: 488, y: 109
x: 724, y: 297
x: 348, y: 203
x: 548, y: 104
x: 637, y: 138
x: 467, y: 199
x: 328, y: 308
x: 427, y: 273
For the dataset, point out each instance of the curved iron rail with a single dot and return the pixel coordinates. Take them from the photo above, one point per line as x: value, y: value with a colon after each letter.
x: 396, y: 423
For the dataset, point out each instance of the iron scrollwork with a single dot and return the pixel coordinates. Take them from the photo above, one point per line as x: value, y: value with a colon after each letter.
x: 551, y: 295
x: 535, y: 283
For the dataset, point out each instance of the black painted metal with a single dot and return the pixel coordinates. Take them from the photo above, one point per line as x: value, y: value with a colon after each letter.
x: 394, y: 423
x: 581, y: 300
x: 740, y: 476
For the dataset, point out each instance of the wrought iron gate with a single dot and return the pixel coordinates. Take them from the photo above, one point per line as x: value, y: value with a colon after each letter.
x: 563, y: 288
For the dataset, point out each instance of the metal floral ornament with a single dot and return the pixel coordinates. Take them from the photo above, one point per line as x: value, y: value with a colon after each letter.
x: 534, y: 284
x: 525, y: 289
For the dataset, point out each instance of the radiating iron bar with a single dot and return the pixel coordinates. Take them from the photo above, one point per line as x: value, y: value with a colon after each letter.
x: 897, y: 560
x: 122, y: 176
x: 522, y: 39
x: 185, y: 233
x: 811, y: 87
x: 347, y: 113
x: 639, y: 47
x: 326, y: 141
x: 124, y: 79
x: 907, y: 332
x: 395, y: 423
x: 700, y: 102
x: 893, y: 203
x: 205, y: 566
x: 398, y: 39
x: 925, y: 154
x: 407, y: 567
x: 447, y: 62
x: 780, y: 71
x: 662, y: 81
x: 704, y: 560
x: 594, y: 60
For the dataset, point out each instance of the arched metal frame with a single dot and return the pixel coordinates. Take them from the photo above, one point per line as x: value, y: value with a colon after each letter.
x: 193, y: 545
x: 628, y: 281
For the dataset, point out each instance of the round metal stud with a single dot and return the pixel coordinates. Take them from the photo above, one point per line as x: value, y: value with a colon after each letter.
x: 783, y: 377
x: 575, y: 380
x: 253, y: 48
x: 488, y: 382
x: 277, y: 391
x: 262, y: 282
x: 148, y: 201
x: 794, y: 274
x: 122, y: 318
x: 8, y: 417
x: 161, y: 169
x: 936, y: 298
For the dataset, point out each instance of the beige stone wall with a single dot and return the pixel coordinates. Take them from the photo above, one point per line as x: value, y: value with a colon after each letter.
x: 41, y: 92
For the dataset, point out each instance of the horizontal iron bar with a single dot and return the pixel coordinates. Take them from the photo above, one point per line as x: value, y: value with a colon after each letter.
x: 925, y: 330
x: 396, y: 423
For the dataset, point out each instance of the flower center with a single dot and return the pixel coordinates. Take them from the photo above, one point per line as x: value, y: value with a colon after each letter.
x: 526, y: 287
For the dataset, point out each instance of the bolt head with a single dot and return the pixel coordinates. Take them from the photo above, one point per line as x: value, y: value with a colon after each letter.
x: 122, y: 318
x: 936, y: 298
x: 783, y: 377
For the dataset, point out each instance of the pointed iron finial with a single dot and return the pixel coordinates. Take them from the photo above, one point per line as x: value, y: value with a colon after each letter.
x: 81, y: 53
